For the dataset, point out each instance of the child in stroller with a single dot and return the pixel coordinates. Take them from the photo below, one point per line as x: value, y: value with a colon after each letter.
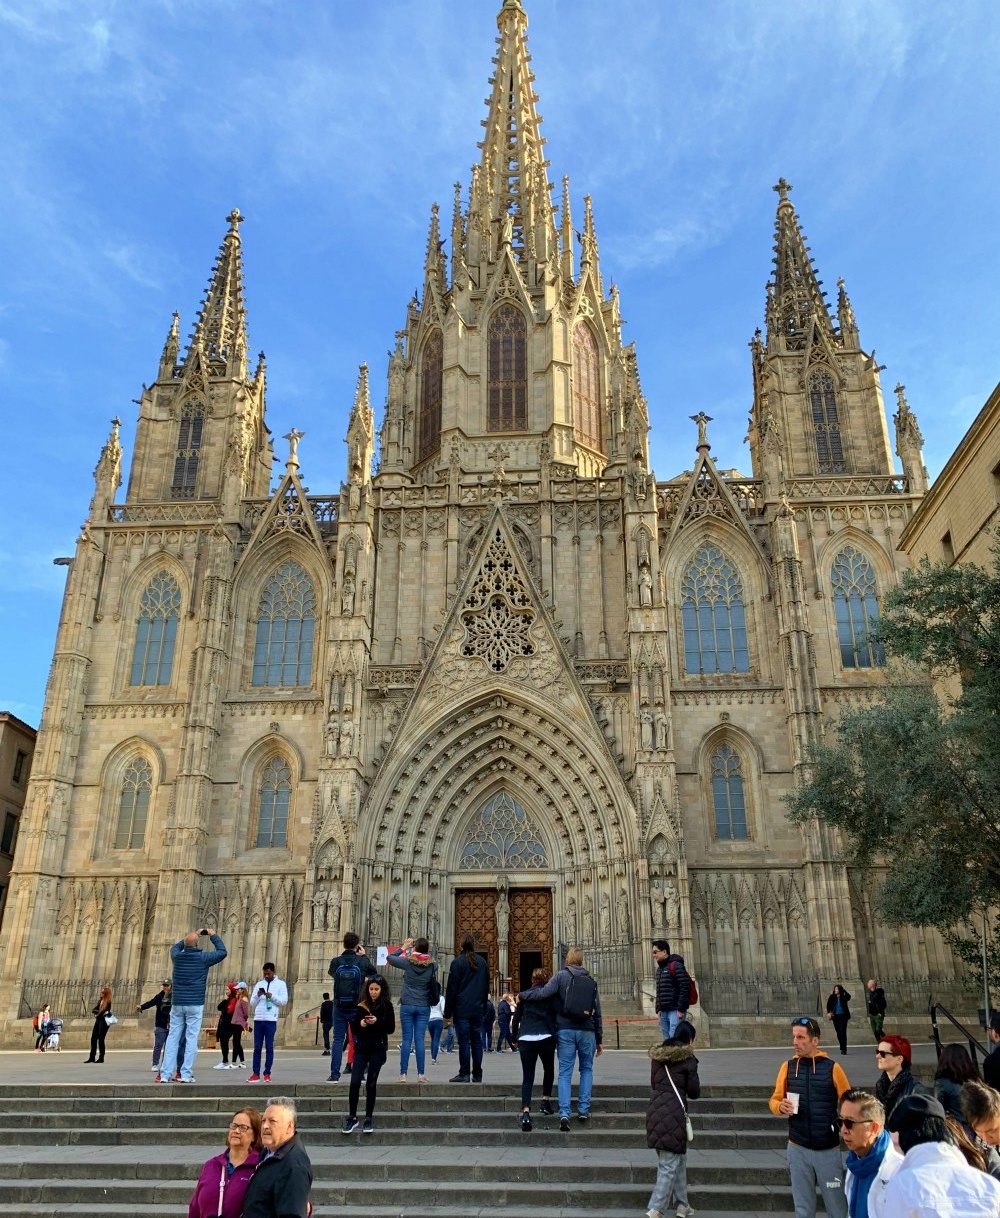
x: 53, y: 1032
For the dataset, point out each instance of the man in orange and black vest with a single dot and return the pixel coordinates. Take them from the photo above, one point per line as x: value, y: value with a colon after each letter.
x: 807, y: 1091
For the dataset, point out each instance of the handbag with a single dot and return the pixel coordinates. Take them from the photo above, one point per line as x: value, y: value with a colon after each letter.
x: 688, y: 1127
x: 109, y: 1019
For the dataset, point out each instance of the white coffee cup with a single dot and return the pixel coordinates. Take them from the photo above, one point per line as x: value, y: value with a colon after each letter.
x: 793, y: 1099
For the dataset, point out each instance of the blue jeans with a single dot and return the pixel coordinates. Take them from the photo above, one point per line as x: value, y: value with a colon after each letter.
x: 159, y: 1040
x: 573, y: 1042
x: 470, y: 1043
x: 413, y: 1024
x: 263, y: 1038
x: 188, y: 1020
x: 436, y: 1027
x: 671, y: 1181
x: 341, y: 1020
x: 668, y: 1026
x: 449, y: 1040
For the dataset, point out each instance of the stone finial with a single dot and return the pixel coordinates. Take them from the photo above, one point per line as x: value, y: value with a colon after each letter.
x: 781, y: 188
x: 234, y: 219
x: 703, y: 420
x: 293, y: 437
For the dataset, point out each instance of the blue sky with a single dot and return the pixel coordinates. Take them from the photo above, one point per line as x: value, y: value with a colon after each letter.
x: 130, y: 129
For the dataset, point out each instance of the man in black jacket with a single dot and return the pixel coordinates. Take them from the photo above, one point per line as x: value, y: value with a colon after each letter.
x: 464, y: 1004
x: 673, y: 988
x: 875, y: 1000
x: 326, y: 1022
x: 162, y: 1003
x: 282, y: 1180
x: 991, y: 1066
x: 348, y: 971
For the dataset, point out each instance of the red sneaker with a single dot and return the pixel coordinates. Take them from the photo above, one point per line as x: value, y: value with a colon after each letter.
x: 254, y: 1078
x: 267, y: 1078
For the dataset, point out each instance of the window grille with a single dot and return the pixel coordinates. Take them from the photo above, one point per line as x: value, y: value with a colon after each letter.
x: 826, y: 423
x: 715, y: 632
x: 156, y: 631
x: 431, y: 374
x: 188, y: 450
x: 586, y: 387
x: 728, y: 795
x: 502, y: 838
x: 856, y: 608
x: 286, y: 624
x: 133, y: 805
x: 508, y: 370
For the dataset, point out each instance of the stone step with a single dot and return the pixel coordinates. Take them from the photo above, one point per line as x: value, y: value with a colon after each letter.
x: 386, y: 1209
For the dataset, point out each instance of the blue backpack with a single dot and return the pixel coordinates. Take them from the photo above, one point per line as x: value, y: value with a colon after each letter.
x: 347, y: 980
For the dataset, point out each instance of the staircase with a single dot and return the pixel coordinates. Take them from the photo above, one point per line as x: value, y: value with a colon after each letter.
x: 439, y: 1151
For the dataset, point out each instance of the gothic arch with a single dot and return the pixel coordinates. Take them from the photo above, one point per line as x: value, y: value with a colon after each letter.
x: 252, y: 765
x: 751, y: 769
x: 134, y: 586
x: 113, y: 773
x: 530, y: 831
x: 505, y: 412
x: 247, y: 588
x: 885, y: 577
x: 735, y: 545
x: 829, y: 442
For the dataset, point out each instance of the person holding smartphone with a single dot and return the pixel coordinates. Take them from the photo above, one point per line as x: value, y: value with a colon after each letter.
x: 190, y: 966
x: 376, y: 1022
x: 267, y: 997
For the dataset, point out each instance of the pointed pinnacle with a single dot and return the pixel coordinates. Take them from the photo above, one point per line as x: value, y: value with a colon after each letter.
x: 220, y: 329
x: 361, y: 398
x: 172, y: 345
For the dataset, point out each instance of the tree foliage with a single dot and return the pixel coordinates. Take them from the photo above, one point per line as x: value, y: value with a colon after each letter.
x: 912, y: 780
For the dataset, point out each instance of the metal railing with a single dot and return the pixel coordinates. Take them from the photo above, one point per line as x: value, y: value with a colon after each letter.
x: 974, y: 1045
x: 807, y: 995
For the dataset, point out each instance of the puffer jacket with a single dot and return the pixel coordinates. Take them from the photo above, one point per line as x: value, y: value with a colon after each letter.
x: 665, y: 1118
x: 465, y: 997
x: 673, y: 985
x: 191, y: 965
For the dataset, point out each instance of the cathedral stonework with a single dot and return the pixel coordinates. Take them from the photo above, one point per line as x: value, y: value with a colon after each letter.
x: 502, y: 680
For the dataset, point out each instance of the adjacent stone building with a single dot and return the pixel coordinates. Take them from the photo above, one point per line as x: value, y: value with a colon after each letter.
x: 501, y: 679
x: 17, y: 746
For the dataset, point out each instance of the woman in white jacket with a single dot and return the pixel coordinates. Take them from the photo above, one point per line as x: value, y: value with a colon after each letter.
x: 267, y: 997
x: 934, y: 1180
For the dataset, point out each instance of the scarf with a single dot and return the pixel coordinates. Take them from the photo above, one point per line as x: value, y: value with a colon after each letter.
x: 864, y: 1169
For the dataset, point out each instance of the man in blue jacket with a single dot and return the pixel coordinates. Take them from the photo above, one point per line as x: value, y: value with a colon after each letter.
x: 191, y: 965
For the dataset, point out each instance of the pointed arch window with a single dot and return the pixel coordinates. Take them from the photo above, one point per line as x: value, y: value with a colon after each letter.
x: 188, y: 450
x: 286, y: 624
x: 729, y: 795
x: 133, y: 805
x: 274, y: 797
x: 586, y: 387
x: 431, y: 380
x: 826, y: 423
x: 856, y: 607
x: 715, y: 630
x: 156, y: 631
x: 507, y: 374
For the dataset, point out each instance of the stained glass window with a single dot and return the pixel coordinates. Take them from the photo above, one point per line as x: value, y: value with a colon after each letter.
x: 502, y: 838
x: 586, y: 387
x: 826, y: 423
x: 715, y: 632
x: 273, y: 797
x: 188, y: 450
x: 508, y: 370
x: 431, y: 372
x: 286, y: 624
x: 728, y: 797
x: 156, y: 631
x: 856, y: 608
x: 133, y: 805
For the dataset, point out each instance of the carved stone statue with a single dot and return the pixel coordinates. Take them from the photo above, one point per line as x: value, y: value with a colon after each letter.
x: 433, y: 922
x: 645, y: 586
x: 319, y: 909
x: 605, y: 917
x: 375, y: 918
x: 395, y: 920
x: 506, y: 229
x: 333, y: 909
x: 673, y: 906
x: 346, y: 738
x: 503, y: 916
x: 621, y: 908
x: 588, y: 919
x: 347, y: 596
x: 646, y: 729
x: 413, y: 919
x: 571, y: 919
x: 332, y: 735
x: 656, y: 899
x: 661, y: 726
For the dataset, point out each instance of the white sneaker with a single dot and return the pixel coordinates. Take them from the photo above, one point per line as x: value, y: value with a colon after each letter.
x: 233, y: 1066
x: 684, y: 1211
x: 156, y: 1068
x: 221, y: 1066
x: 240, y: 1066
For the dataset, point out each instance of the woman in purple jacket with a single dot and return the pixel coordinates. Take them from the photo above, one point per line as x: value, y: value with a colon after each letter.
x: 223, y: 1182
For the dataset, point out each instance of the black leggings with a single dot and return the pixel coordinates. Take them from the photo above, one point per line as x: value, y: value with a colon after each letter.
x: 374, y: 1059
x: 97, y: 1039
x: 237, y: 1044
x: 531, y: 1052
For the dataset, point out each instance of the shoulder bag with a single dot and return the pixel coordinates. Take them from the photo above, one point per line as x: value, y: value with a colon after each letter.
x: 688, y: 1127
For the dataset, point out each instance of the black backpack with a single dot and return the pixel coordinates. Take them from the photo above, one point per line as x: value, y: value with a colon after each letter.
x: 347, y: 981
x: 580, y: 998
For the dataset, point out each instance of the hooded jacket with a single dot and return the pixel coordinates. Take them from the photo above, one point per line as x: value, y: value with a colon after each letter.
x: 819, y: 1082
x: 191, y: 965
x: 280, y: 1185
x: 418, y: 972
x: 666, y: 1127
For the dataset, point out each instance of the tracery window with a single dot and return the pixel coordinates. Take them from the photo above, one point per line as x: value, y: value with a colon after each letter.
x: 507, y: 374
x: 498, y: 614
x: 586, y: 387
x: 188, y: 451
x: 826, y: 423
x: 728, y: 795
x: 156, y: 631
x: 133, y: 805
x: 286, y: 622
x: 274, y: 795
x: 856, y: 609
x: 502, y: 838
x: 431, y: 374
x: 715, y: 631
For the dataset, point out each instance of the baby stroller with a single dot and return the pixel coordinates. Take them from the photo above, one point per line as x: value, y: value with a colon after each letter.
x: 53, y: 1030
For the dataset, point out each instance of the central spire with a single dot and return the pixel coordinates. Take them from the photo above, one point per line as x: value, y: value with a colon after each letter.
x: 795, y: 295
x: 220, y: 331
x: 511, y: 183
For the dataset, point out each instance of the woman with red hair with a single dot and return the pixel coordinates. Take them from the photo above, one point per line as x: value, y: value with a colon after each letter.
x: 893, y: 1057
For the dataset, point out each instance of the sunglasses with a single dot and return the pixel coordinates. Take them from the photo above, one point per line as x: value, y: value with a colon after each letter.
x: 886, y: 1053
x: 849, y: 1123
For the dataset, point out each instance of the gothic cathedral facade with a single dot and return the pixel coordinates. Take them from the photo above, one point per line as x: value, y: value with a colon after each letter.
x: 503, y: 680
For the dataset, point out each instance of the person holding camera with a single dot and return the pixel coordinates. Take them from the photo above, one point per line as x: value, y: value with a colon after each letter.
x: 190, y: 979
x: 349, y: 971
x: 267, y: 997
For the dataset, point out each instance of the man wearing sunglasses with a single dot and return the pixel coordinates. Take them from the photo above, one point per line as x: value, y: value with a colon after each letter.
x: 807, y: 1091
x: 872, y: 1159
